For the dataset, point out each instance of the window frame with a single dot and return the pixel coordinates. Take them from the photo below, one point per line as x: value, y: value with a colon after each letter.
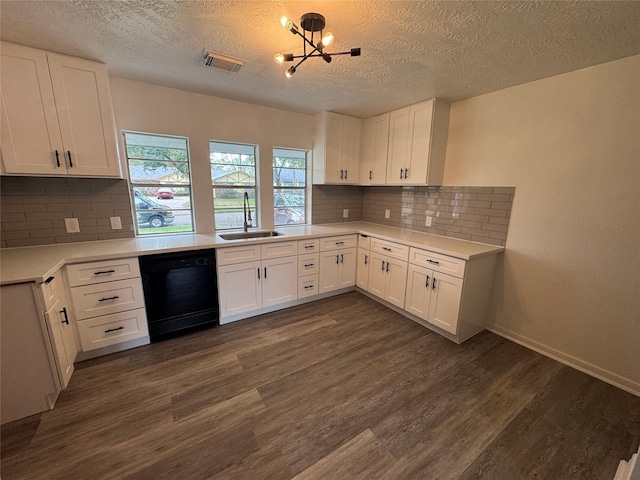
x: 133, y: 186
x: 305, y: 188
x: 255, y: 187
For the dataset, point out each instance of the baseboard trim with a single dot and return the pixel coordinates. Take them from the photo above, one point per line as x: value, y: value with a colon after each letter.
x: 573, y: 362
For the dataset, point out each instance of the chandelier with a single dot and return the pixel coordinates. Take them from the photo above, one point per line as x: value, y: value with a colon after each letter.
x: 310, y: 23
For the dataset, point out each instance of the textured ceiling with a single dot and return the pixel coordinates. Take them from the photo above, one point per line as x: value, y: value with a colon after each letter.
x: 411, y: 50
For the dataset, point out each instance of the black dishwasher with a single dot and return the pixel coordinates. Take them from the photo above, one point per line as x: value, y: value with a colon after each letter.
x: 180, y: 291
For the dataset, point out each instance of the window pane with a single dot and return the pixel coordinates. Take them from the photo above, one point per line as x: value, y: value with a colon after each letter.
x: 290, y: 182
x: 233, y: 171
x: 227, y: 204
x: 161, y: 181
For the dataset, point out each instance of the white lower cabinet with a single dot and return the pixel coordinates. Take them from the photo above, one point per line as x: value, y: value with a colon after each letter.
x: 434, y: 297
x: 387, y: 279
x: 59, y: 325
x: 108, y: 302
x: 337, y: 269
x: 249, y: 286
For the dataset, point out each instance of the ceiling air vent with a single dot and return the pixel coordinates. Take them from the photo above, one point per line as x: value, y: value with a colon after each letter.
x: 221, y: 61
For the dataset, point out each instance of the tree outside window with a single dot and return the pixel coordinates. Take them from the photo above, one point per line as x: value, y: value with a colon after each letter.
x: 289, y: 186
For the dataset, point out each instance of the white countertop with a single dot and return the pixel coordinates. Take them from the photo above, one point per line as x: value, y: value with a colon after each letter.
x: 35, y: 264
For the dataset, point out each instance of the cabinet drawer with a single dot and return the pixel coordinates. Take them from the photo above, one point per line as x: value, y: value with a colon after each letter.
x: 308, y: 264
x: 308, y: 246
x: 364, y: 241
x: 228, y: 256
x: 307, y: 286
x: 278, y: 249
x: 106, y: 298
x: 438, y: 262
x: 106, y: 271
x: 334, y: 243
x: 390, y: 249
x: 112, y: 329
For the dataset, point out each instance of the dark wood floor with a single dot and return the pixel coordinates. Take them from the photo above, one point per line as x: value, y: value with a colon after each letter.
x: 342, y: 388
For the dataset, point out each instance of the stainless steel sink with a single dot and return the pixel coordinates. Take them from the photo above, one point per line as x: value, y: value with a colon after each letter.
x: 247, y: 235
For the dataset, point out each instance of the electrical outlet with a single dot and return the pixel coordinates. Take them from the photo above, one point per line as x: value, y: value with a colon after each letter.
x: 345, y: 213
x: 116, y: 223
x: 72, y: 225
x: 387, y: 213
x: 427, y: 222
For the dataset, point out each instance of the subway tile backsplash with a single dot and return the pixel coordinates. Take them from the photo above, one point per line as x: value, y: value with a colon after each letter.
x: 479, y: 214
x: 33, y: 209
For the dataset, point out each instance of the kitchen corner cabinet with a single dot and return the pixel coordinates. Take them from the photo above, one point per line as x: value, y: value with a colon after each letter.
x: 388, y: 271
x: 375, y: 142
x: 266, y: 276
x: 38, y: 346
x: 417, y: 144
x: 337, y: 262
x: 60, y: 326
x: 336, y: 149
x: 57, y: 117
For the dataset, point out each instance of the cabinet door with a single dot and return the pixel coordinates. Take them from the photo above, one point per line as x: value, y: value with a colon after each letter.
x: 332, y: 149
x: 420, y: 123
x: 83, y: 103
x: 396, y: 282
x: 347, y: 270
x: 64, y: 358
x: 239, y: 288
x: 398, y: 158
x: 373, y: 167
x: 362, y: 269
x: 280, y: 281
x: 377, y: 275
x: 29, y: 132
x: 329, y: 264
x: 350, y: 149
x: 418, y: 291
x: 444, y: 310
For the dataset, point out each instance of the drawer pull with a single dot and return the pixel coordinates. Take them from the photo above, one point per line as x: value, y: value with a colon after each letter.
x: 49, y: 280
x: 383, y: 266
x: 258, y: 273
x: 307, y: 265
x: 104, y: 272
x: 113, y: 329
x: 435, y: 262
x: 406, y: 173
x: 57, y: 159
x: 387, y: 267
x: 401, y: 170
x: 341, y: 258
x: 427, y: 284
x: 70, y: 161
x: 339, y: 243
x: 308, y: 246
x: 370, y: 174
x: 66, y: 318
x: 109, y: 298
x: 341, y: 174
x: 337, y: 259
x: 434, y: 283
x: 366, y: 259
x: 386, y: 249
x: 308, y: 287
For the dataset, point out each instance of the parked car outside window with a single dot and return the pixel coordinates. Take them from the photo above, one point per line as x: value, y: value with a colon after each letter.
x: 288, y: 209
x: 165, y: 193
x: 150, y: 212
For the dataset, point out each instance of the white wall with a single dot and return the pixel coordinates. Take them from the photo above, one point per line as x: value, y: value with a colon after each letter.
x: 149, y: 108
x: 569, y: 283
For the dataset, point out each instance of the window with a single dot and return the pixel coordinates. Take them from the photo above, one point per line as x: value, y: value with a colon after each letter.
x: 161, y: 182
x: 233, y: 172
x: 289, y: 186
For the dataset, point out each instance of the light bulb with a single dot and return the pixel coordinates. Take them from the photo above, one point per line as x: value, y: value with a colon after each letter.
x: 290, y: 72
x: 326, y: 40
x: 283, y: 21
x: 278, y: 57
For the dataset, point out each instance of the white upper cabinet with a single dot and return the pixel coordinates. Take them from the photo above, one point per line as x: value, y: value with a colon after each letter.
x: 336, y: 149
x: 57, y: 117
x: 417, y: 144
x: 373, y: 167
